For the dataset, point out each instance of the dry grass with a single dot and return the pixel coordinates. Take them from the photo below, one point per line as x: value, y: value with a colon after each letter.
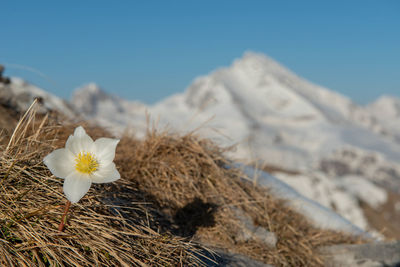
x: 173, y: 190
x: 109, y: 229
x: 386, y: 218
x: 189, y: 180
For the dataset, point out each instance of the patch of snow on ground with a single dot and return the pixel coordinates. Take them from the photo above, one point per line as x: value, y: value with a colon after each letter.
x: 319, y: 215
x: 327, y: 193
x: 363, y: 189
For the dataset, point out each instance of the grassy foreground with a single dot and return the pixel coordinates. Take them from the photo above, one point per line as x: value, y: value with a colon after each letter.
x: 176, y: 199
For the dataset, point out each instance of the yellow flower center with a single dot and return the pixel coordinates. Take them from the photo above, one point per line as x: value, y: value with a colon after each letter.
x: 86, y: 163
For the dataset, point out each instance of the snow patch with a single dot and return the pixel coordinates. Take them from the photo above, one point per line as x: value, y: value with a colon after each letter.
x: 363, y: 189
x: 327, y: 193
x: 319, y: 215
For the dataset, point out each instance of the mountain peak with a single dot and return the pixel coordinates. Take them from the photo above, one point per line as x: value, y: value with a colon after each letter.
x: 89, y: 88
x: 256, y: 57
x: 93, y: 87
x: 387, y: 104
x: 386, y: 99
x: 262, y: 86
x: 88, y: 98
x: 262, y: 64
x: 387, y: 110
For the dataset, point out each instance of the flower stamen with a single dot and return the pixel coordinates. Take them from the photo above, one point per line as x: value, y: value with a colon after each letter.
x: 86, y: 163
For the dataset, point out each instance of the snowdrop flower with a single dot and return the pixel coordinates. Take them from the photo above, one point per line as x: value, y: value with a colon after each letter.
x: 83, y: 162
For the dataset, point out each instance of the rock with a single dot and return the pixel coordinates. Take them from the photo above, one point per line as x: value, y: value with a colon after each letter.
x: 4, y: 80
x: 222, y: 258
x: 248, y: 231
x: 366, y: 255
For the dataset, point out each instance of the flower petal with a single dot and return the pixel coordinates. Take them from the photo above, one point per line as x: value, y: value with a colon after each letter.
x: 80, y: 142
x: 76, y: 185
x: 60, y: 162
x: 105, y: 149
x: 106, y: 174
x: 79, y: 131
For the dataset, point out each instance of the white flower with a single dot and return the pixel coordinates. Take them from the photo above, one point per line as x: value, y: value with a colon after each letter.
x: 83, y: 162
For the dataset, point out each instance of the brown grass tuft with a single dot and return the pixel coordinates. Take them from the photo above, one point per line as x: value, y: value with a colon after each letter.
x: 108, y: 227
x: 189, y: 178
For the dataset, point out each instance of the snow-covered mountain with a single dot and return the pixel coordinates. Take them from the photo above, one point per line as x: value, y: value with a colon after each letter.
x: 110, y: 111
x: 269, y: 112
x: 386, y: 110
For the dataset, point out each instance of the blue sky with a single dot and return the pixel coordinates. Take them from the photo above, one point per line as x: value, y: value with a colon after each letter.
x: 147, y: 50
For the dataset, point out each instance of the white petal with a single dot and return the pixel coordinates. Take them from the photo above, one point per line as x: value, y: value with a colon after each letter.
x: 79, y: 131
x: 60, y: 162
x: 105, y: 149
x: 76, y: 185
x: 80, y: 141
x: 106, y: 174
